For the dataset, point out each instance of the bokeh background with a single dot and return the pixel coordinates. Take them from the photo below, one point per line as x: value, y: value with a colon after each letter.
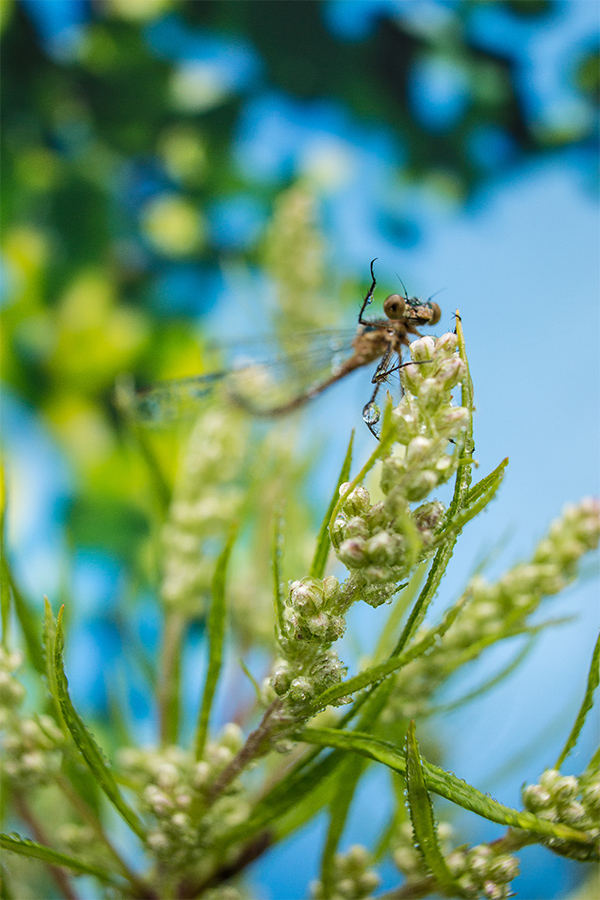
x: 145, y: 144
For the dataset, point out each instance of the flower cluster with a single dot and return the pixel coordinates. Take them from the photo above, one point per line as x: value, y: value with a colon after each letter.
x: 408, y: 858
x: 483, y: 871
x: 353, y: 878
x: 82, y: 840
x: 313, y: 620
x: 172, y: 786
x: 205, y: 502
x: 12, y: 692
x: 32, y: 746
x: 571, y: 801
x: 295, y: 259
x: 502, y: 607
x: 381, y: 542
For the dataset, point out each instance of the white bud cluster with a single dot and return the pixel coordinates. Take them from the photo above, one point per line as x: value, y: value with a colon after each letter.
x: 379, y: 543
x: 31, y: 746
x: 313, y: 620
x: 32, y: 750
x: 514, y: 596
x: 12, y: 692
x: 383, y: 541
x: 82, y: 841
x: 172, y: 786
x: 572, y: 801
x: 407, y: 856
x: 354, y: 879
x: 205, y: 503
x: 483, y: 871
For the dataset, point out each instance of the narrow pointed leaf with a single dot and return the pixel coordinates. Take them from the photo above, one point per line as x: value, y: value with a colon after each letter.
x: 319, y: 562
x: 276, y: 551
x: 375, y: 674
x: 283, y: 798
x: 216, y: 631
x: 588, y: 700
x: 33, y: 850
x: 488, y: 685
x: 422, y: 818
x: 88, y: 747
x: 438, y: 781
x: 488, y: 483
x: 347, y: 782
x: 474, y: 506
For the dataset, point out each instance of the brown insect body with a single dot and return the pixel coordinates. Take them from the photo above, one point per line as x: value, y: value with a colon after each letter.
x: 377, y: 339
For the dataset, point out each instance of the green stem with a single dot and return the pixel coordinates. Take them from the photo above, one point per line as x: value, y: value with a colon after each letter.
x: 169, y: 682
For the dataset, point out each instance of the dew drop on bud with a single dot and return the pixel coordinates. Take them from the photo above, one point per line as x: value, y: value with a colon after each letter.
x: 371, y: 413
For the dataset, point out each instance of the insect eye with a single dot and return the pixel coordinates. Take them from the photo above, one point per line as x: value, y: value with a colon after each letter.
x: 394, y: 306
x: 436, y: 314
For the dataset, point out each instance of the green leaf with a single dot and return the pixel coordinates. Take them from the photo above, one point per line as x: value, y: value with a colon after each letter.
x: 398, y: 608
x: 33, y: 850
x: 319, y: 562
x: 588, y: 701
x: 472, y: 508
x: 27, y: 616
x: 90, y: 751
x: 276, y: 551
x: 422, y: 818
x: 488, y: 483
x: 375, y: 674
x: 445, y: 784
x: 251, y: 679
x: 490, y: 683
x: 288, y: 795
x: 593, y: 767
x: 386, y: 439
x: 50, y: 672
x: 346, y: 783
x: 216, y: 630
x: 6, y: 892
x: 4, y: 571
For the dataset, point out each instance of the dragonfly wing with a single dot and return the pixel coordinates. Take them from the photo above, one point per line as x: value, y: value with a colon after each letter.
x: 261, y: 386
x: 272, y: 387
x: 169, y: 401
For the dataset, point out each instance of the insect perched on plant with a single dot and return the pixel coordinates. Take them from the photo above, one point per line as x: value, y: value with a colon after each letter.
x: 314, y: 362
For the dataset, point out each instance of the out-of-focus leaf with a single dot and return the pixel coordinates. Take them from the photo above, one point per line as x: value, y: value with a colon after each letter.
x: 88, y: 747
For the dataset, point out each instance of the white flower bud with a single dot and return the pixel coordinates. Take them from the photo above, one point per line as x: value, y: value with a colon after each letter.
x: 421, y: 485
x: 357, y: 502
x: 356, y: 527
x: 452, y: 420
x: 418, y: 449
x: 446, y: 344
x: 429, y: 394
x: 450, y: 372
x: 423, y: 348
x: 412, y: 378
x: 352, y: 552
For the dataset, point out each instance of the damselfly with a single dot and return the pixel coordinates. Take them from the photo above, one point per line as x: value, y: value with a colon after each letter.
x: 277, y: 387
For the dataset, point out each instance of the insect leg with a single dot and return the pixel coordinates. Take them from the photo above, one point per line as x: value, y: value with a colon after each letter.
x: 401, y: 365
x: 371, y: 412
x: 383, y: 369
x: 369, y: 296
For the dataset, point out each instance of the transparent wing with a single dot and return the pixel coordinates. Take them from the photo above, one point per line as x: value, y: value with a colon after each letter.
x: 261, y: 384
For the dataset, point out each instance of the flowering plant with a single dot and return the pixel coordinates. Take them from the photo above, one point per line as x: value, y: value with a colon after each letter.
x: 203, y: 809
